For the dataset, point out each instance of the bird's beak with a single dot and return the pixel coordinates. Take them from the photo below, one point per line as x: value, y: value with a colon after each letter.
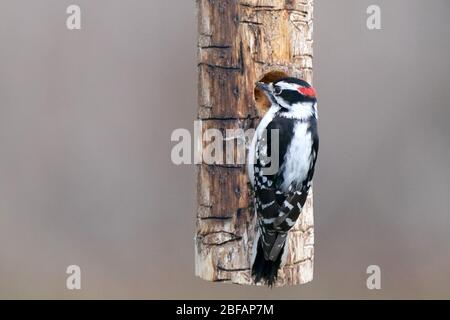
x: 264, y: 87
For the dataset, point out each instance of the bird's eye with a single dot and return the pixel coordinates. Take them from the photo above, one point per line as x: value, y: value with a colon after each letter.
x: 277, y: 90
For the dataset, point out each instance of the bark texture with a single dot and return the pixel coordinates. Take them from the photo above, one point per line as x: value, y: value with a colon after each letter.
x: 241, y: 42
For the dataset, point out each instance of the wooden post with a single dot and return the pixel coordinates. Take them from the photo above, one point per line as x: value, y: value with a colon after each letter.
x: 241, y: 42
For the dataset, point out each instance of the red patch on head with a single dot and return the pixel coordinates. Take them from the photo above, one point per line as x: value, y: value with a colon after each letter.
x: 309, y: 92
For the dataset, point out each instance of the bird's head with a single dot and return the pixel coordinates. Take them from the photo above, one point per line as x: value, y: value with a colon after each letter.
x: 289, y: 93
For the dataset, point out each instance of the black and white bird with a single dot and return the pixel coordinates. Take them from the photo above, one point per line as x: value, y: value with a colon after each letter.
x: 280, y: 194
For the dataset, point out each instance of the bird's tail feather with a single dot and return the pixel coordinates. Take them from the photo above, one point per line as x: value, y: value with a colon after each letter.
x: 265, y: 270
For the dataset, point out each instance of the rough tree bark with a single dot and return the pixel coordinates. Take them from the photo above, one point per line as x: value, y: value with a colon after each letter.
x: 241, y: 42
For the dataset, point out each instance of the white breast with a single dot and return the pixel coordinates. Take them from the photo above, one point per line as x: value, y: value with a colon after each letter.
x: 268, y: 117
x: 298, y: 157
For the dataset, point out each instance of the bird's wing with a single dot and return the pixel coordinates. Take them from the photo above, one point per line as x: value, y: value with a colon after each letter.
x: 278, y: 211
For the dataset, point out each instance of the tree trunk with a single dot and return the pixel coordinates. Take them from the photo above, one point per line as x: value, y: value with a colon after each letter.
x: 242, y: 42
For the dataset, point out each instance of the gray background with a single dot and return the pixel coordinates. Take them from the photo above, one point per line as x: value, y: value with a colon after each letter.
x: 85, y: 170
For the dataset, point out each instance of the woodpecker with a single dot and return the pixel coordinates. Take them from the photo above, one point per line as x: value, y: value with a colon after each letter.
x: 281, y: 194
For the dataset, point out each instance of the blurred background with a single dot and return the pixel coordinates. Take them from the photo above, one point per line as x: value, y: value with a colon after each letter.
x: 85, y: 171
